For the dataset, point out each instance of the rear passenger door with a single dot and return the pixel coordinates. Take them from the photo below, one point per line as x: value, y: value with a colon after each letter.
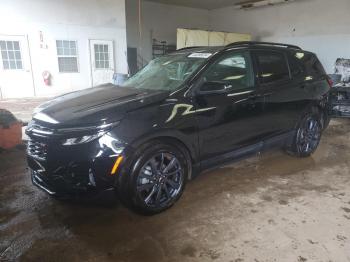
x: 276, y: 84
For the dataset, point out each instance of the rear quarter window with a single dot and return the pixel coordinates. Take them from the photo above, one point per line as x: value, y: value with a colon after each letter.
x: 272, y: 66
x: 311, y: 64
x: 296, y: 66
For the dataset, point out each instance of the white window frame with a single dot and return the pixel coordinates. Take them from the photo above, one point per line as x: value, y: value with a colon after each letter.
x: 109, y: 59
x: 74, y: 56
x: 21, y: 53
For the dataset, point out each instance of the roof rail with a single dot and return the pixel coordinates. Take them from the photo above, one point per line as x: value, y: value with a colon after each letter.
x: 256, y: 43
x: 189, y: 47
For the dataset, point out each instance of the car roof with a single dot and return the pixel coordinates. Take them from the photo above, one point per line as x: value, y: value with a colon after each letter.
x: 239, y: 45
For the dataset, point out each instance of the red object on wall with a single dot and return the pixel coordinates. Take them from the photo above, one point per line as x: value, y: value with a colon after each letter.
x: 47, y: 78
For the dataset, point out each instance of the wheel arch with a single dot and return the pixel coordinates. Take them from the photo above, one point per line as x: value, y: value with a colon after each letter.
x: 173, y: 138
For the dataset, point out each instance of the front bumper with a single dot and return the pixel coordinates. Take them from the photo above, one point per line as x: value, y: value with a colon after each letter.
x: 37, y: 181
x: 65, y: 170
x: 69, y: 179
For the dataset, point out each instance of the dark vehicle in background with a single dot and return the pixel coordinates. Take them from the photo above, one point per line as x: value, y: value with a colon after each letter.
x: 191, y: 110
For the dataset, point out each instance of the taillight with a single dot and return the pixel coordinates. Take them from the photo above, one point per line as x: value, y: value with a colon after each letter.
x: 330, y: 81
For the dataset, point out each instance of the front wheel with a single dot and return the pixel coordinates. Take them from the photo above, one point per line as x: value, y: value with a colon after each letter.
x: 157, y: 178
x: 308, y: 135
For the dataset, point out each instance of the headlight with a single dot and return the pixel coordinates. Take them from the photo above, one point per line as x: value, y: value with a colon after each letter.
x: 81, y: 140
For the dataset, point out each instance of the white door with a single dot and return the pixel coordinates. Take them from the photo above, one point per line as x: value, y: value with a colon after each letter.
x: 16, y: 79
x: 102, y: 60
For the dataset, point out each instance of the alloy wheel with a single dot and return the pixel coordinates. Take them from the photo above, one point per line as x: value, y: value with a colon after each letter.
x: 160, y: 180
x: 309, y: 136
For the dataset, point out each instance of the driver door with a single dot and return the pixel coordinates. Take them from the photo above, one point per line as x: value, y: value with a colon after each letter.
x: 228, y: 105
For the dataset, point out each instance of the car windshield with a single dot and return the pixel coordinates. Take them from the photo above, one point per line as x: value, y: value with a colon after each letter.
x: 166, y: 73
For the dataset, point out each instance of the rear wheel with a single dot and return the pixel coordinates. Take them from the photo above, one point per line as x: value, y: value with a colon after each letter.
x: 156, y: 179
x: 308, y: 135
x: 325, y: 120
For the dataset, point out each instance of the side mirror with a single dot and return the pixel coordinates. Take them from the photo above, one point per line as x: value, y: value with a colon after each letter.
x: 214, y: 87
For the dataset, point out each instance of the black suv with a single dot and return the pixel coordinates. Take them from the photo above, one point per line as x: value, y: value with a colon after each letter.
x: 184, y: 112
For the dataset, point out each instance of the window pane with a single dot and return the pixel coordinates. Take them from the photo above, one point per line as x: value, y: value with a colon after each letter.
x: 105, y: 48
x: 106, y: 64
x: 9, y: 45
x: 4, y: 55
x: 12, y: 64
x: 3, y: 45
x: 295, y: 66
x: 234, y: 69
x: 16, y: 45
x: 65, y: 44
x: 11, y: 55
x: 273, y: 67
x: 11, y: 59
x: 68, y: 64
x: 6, y: 65
x: 66, y: 48
x: 97, y: 63
x: 59, y: 44
x: 18, y: 55
x: 19, y: 65
x: 59, y: 51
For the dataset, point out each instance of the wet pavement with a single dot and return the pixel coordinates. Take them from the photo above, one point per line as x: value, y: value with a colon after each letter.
x: 270, y: 207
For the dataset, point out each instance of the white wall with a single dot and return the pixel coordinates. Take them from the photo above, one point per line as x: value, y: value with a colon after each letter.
x: 65, y: 20
x: 321, y: 26
x: 160, y: 21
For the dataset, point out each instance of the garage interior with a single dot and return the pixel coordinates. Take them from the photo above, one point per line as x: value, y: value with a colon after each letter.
x: 268, y: 207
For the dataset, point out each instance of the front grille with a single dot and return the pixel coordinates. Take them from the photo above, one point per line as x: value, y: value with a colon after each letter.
x: 37, y: 150
x: 37, y: 129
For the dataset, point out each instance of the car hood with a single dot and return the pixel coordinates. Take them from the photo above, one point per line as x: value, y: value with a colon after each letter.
x: 103, y: 104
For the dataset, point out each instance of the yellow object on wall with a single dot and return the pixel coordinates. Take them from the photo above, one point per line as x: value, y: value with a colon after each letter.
x: 188, y: 38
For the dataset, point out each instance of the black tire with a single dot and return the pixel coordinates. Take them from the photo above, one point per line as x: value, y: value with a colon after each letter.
x: 308, y: 134
x: 325, y: 120
x: 155, y: 178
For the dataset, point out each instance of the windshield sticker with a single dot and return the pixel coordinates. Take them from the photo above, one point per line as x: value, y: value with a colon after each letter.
x: 200, y: 55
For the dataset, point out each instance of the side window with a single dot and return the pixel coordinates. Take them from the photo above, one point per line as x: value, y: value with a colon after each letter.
x: 234, y: 69
x: 273, y: 66
x: 295, y: 65
x: 313, y: 65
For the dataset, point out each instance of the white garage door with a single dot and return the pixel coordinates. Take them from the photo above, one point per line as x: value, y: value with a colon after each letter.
x: 15, y: 68
x: 102, y: 57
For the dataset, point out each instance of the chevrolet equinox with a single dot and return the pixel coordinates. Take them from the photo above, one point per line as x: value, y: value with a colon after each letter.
x: 184, y: 112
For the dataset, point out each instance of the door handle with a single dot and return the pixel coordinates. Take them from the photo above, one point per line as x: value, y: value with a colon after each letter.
x: 255, y: 96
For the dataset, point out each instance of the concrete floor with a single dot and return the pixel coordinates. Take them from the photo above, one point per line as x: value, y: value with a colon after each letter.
x: 271, y: 207
x: 22, y: 108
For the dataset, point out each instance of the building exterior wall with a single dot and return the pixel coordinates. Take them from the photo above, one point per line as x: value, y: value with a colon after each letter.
x: 42, y: 22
